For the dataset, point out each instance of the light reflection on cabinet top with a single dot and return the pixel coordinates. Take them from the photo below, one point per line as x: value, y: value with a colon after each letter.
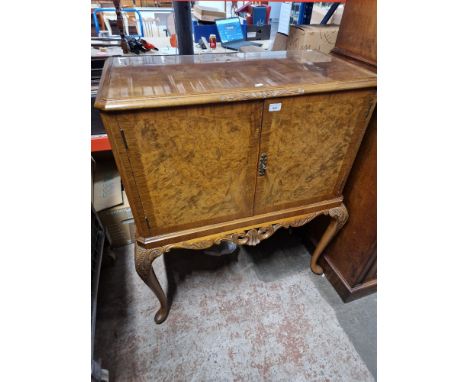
x: 162, y: 81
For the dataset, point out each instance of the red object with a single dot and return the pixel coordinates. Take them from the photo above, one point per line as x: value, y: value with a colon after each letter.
x: 148, y: 45
x: 248, y: 10
x: 173, y: 40
x: 100, y: 143
x: 213, y: 41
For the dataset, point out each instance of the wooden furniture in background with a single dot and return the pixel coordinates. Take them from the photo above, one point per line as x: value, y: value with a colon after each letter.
x: 232, y: 147
x: 357, y: 37
x: 350, y: 261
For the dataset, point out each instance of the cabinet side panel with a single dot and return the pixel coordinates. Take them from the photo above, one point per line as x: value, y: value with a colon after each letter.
x: 310, y: 142
x: 111, y: 125
x: 194, y: 165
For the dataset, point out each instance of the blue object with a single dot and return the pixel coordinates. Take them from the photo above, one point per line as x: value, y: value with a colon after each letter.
x: 306, y: 13
x: 301, y: 13
x: 230, y: 30
x: 259, y: 15
x: 96, y: 23
x: 204, y: 30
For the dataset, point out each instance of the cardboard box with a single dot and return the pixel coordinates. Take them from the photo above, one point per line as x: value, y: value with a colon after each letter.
x: 119, y: 224
x: 207, y: 13
x: 281, y: 42
x: 107, y: 187
x: 318, y: 37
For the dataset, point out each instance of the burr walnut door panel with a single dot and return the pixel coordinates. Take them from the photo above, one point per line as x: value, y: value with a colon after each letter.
x: 309, y: 143
x: 194, y: 165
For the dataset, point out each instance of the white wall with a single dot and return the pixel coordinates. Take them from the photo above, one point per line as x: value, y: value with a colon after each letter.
x: 275, y: 11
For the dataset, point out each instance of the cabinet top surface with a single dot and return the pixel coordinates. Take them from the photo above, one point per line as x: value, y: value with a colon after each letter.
x: 162, y: 81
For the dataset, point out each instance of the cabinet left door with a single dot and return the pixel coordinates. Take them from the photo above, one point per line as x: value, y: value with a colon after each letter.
x: 189, y: 166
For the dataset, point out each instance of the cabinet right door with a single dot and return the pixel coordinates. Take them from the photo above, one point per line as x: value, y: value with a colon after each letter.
x: 308, y: 144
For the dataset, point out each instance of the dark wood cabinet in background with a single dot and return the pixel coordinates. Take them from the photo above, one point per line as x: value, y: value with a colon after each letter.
x: 350, y: 260
x: 357, y: 37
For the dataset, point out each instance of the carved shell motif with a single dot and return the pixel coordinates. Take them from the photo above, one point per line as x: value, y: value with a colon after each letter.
x: 251, y: 237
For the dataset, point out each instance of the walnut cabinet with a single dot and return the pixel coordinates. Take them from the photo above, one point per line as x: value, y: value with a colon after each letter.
x: 232, y: 147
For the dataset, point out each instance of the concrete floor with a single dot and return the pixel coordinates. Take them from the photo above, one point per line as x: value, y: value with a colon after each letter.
x: 256, y: 315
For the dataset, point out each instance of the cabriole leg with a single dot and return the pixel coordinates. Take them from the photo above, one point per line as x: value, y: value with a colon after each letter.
x: 143, y: 263
x: 339, y: 217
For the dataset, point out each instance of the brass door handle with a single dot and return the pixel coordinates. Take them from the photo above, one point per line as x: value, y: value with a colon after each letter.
x: 262, y: 164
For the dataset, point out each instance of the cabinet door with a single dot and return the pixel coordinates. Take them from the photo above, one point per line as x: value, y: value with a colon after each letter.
x: 309, y: 143
x: 195, y: 165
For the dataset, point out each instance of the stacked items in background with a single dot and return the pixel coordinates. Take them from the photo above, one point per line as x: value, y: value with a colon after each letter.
x: 110, y: 201
x: 204, y: 25
x: 292, y: 36
x: 257, y: 18
x: 209, y: 14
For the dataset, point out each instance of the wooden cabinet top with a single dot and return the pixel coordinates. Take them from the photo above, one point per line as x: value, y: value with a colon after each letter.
x: 162, y: 81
